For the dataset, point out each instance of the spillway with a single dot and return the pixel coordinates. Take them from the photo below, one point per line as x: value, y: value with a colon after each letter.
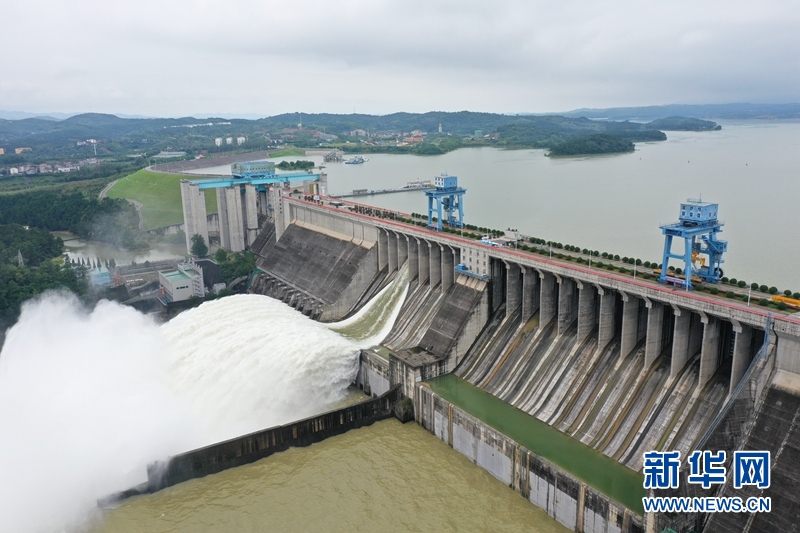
x: 612, y: 403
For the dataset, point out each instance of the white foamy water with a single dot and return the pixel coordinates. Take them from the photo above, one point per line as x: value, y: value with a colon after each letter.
x: 89, y: 397
x: 85, y: 403
x: 373, y: 322
x: 248, y: 362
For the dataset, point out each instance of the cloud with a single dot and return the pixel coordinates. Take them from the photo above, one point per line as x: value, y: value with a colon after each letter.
x: 176, y: 58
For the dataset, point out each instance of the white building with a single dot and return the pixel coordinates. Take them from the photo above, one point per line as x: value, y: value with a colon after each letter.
x: 182, y: 283
x: 218, y: 141
x: 240, y: 140
x: 229, y: 140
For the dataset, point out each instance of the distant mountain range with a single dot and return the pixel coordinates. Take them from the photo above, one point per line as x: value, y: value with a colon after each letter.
x: 19, y: 115
x: 718, y: 111
x: 644, y: 113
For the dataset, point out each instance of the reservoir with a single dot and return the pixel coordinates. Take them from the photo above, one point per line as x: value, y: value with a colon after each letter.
x: 615, y: 203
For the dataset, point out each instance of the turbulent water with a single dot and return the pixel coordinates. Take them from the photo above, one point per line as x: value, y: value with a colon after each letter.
x: 372, y: 323
x: 89, y: 397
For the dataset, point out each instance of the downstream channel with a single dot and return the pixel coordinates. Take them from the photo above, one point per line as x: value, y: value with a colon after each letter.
x: 385, y: 477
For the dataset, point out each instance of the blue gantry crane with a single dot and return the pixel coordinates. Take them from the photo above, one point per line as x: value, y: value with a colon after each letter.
x: 449, y: 199
x: 702, y: 252
x: 258, y: 173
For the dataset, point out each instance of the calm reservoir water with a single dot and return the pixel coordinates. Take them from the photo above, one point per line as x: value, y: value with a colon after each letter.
x: 616, y: 203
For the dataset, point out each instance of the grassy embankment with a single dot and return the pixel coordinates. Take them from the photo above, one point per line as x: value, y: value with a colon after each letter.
x: 288, y: 152
x: 160, y: 196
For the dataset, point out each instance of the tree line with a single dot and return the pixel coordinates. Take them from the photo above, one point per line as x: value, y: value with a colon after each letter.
x: 43, y: 268
x: 109, y: 220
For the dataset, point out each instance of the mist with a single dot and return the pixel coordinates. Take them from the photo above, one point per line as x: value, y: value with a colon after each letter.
x: 89, y: 397
x: 85, y: 404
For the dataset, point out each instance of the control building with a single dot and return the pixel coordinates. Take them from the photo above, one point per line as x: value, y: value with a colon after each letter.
x: 181, y: 284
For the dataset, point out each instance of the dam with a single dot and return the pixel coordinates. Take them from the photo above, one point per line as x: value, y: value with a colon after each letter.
x: 555, y: 377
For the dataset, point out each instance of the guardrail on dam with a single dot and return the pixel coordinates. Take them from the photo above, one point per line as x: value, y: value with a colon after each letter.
x: 620, y: 365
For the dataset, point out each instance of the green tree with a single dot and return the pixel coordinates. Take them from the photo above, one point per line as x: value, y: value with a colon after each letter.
x: 199, y: 248
x: 221, y: 255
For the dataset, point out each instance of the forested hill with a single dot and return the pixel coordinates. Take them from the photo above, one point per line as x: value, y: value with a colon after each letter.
x: 42, y: 269
x: 547, y: 132
x: 593, y: 144
x: 35, y: 131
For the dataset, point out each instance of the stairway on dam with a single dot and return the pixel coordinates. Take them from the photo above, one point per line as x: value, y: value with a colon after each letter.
x: 776, y: 429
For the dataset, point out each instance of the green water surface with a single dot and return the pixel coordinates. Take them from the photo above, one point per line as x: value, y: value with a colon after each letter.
x: 606, y: 475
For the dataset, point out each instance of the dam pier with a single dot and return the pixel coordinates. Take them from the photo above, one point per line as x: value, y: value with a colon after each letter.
x: 553, y: 376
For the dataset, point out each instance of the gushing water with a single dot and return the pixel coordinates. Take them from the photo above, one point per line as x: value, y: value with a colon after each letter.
x: 372, y: 323
x: 89, y: 397
x: 85, y: 403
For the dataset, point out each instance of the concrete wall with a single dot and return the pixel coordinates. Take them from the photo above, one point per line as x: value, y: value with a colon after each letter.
x: 373, y: 373
x: 565, y: 498
x: 255, y: 446
x: 321, y: 265
x: 194, y: 212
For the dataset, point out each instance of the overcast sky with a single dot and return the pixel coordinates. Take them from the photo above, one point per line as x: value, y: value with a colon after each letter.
x: 170, y: 58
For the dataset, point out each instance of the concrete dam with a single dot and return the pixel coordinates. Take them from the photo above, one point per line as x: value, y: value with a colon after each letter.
x: 554, y: 377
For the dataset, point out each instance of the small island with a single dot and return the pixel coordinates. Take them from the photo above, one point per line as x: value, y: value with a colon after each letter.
x: 684, y: 124
x: 601, y: 143
x: 295, y: 165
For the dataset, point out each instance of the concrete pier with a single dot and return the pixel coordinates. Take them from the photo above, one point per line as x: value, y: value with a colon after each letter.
x: 567, y: 304
x: 513, y: 288
x: 607, y: 318
x: 680, y: 340
x: 741, y: 352
x: 424, y: 262
x: 448, y: 266
x: 413, y: 258
x: 391, y: 240
x: 587, y: 303
x: 530, y: 293
x: 654, y: 342
x: 402, y: 249
x: 709, y: 354
x: 231, y: 219
x: 630, y: 324
x: 435, y: 263
x: 547, y: 297
x: 250, y: 208
x: 383, y: 249
x: 194, y: 212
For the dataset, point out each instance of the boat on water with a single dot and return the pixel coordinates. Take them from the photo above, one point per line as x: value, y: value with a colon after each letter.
x: 357, y: 160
